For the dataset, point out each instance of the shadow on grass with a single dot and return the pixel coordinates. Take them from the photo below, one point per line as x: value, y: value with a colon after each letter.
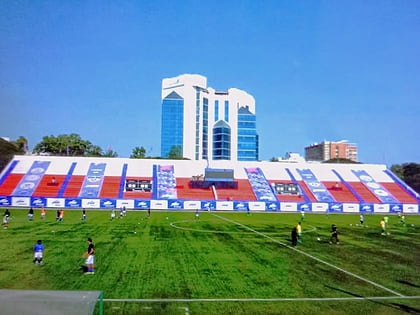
x: 398, y: 306
x: 408, y: 283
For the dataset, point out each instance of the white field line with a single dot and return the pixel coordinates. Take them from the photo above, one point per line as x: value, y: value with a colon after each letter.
x: 312, y: 257
x: 265, y: 299
x: 173, y: 224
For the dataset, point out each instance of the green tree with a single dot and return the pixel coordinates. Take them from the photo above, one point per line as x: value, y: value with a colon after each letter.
x: 175, y: 153
x: 341, y: 160
x: 398, y: 170
x: 110, y: 153
x: 7, y: 151
x: 21, y: 144
x: 409, y: 173
x: 138, y: 153
x: 71, y: 144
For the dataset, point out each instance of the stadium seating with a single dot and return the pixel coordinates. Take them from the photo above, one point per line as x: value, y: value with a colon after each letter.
x: 48, y: 180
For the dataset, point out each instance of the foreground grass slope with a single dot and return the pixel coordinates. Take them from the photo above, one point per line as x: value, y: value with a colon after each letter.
x: 218, y: 256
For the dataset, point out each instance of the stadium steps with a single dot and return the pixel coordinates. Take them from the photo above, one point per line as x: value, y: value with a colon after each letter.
x: 184, y: 191
x: 364, y: 192
x: 73, y: 187
x: 46, y: 188
x: 10, y: 183
x: 8, y: 171
x: 403, y: 185
x: 110, y: 187
x: 399, y: 193
x: 243, y: 192
x: 306, y: 191
x: 340, y: 194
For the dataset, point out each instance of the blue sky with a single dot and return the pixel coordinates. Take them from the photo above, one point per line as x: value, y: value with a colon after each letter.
x: 319, y: 70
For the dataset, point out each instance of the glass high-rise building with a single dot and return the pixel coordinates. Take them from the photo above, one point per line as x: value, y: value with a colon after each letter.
x: 205, y: 124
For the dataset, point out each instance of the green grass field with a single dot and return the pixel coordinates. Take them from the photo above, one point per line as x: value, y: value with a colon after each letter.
x: 184, y: 265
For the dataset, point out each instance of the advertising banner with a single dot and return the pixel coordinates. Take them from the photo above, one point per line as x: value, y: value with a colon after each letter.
x: 413, y: 208
x: 31, y: 180
x: 380, y: 192
x: 272, y: 206
x: 38, y: 202
x: 166, y: 183
x: 93, y: 181
x: 127, y: 203
x: 351, y: 207
x: 73, y: 203
x: 159, y: 204
x: 259, y: 184
x: 5, y: 201
x: 192, y: 205
x: 208, y: 205
x: 91, y: 203
x: 240, y: 206
x: 335, y: 207
x: 141, y: 204
x: 381, y: 207
x: 256, y: 205
x: 318, y: 189
x: 320, y: 207
x: 288, y: 206
x: 108, y: 203
x: 175, y: 204
x: 366, y: 207
x: 224, y: 205
x: 21, y: 201
x: 55, y: 202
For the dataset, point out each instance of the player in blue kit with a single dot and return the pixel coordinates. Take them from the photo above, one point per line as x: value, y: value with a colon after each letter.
x: 38, y: 252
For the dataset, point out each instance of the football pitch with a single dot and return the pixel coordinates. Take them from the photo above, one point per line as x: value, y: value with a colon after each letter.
x: 221, y: 263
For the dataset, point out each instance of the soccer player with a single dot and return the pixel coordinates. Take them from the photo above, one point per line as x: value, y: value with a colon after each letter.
x: 5, y: 222
x: 43, y: 213
x: 386, y: 219
x: 197, y: 214
x: 112, y: 214
x: 402, y: 219
x: 7, y: 213
x: 61, y: 216
x: 90, y: 257
x: 362, y: 219
x: 299, y: 232
x: 302, y: 215
x: 31, y: 214
x: 294, y: 237
x: 84, y: 217
x: 38, y: 252
x: 334, y: 235
x: 382, y: 224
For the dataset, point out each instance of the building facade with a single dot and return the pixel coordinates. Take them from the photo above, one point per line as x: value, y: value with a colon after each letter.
x: 205, y: 124
x: 331, y: 150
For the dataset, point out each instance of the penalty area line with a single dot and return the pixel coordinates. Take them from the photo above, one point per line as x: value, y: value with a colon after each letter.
x: 312, y: 257
x: 266, y: 299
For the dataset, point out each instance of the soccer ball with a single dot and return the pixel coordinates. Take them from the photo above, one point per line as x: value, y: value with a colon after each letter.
x: 318, y: 239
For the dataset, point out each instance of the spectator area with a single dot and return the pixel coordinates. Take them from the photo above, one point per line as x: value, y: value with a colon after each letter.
x: 45, y: 177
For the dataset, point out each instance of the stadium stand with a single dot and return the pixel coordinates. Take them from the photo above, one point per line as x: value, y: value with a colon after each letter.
x: 75, y: 182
